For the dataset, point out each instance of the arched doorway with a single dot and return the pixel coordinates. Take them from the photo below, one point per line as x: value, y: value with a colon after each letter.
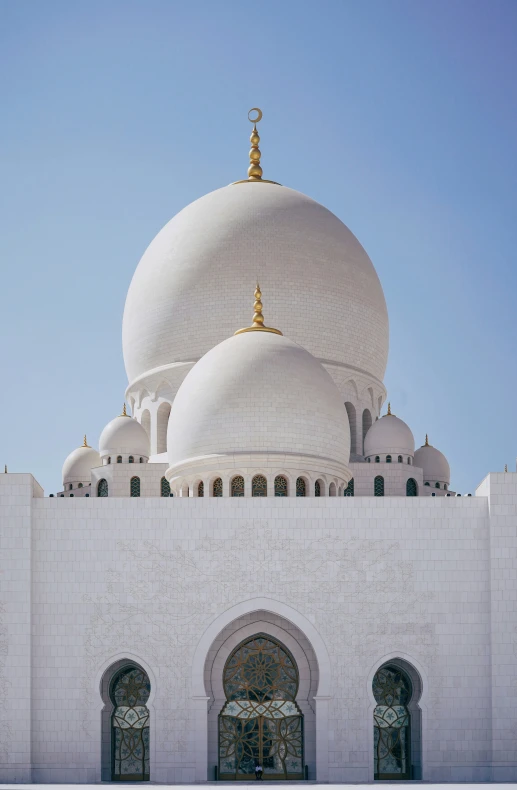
x: 260, y: 723
x: 393, y: 691
x: 129, y: 692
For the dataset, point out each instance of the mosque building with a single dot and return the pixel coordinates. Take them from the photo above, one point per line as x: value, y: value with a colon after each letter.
x: 340, y: 616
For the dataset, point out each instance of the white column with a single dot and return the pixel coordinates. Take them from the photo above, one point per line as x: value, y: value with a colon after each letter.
x: 322, y: 738
x: 200, y: 737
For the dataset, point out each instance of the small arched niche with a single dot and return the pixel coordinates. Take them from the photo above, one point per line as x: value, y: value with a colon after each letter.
x: 125, y: 726
x: 397, y: 722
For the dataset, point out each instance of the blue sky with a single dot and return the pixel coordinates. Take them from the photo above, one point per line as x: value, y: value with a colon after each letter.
x: 398, y: 115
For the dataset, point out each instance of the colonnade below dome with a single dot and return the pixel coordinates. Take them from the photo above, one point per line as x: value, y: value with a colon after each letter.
x: 261, y: 484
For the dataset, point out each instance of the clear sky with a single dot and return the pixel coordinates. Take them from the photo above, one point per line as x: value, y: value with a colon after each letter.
x: 399, y: 115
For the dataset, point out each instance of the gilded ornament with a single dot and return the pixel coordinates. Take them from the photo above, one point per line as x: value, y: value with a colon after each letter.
x: 258, y: 318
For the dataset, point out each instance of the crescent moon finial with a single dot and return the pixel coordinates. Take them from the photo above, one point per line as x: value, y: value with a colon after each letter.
x: 259, y: 115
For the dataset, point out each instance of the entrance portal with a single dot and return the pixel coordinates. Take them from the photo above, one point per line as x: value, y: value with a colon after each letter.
x: 260, y: 723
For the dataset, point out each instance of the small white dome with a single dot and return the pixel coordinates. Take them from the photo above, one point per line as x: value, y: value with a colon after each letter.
x: 78, y: 465
x: 389, y: 436
x: 122, y: 436
x: 434, y: 464
x: 258, y: 400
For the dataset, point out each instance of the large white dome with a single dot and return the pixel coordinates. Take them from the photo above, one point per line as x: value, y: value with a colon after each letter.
x: 123, y: 436
x: 258, y: 400
x: 389, y: 436
x: 191, y: 287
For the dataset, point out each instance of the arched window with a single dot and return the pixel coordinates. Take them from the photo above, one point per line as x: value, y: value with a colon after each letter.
x: 427, y: 484
x: 409, y: 460
x: 131, y: 459
x: 332, y: 489
x: 400, y: 459
x: 369, y: 460
x: 237, y: 486
x: 437, y: 485
x: 70, y: 486
x: 280, y: 486
x: 388, y: 459
x: 134, y: 486
x: 119, y: 459
x: 165, y: 487
x: 80, y: 485
x: 377, y: 459
x: 141, y: 460
x: 109, y: 459
x: 260, y: 722
x: 378, y: 486
x: 317, y: 488
x: 444, y: 486
x: 391, y: 724
x: 350, y: 410
x: 129, y: 693
x: 411, y: 487
x: 201, y: 489
x: 259, y: 486
x: 217, y: 487
x: 71, y: 494
x: 301, y: 488
x: 349, y: 490
x: 102, y: 488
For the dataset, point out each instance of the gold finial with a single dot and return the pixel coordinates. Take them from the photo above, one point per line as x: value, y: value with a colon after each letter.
x: 389, y: 409
x: 506, y: 467
x: 255, y: 170
x: 5, y: 469
x: 124, y: 412
x: 426, y: 441
x: 85, y: 443
x: 258, y: 318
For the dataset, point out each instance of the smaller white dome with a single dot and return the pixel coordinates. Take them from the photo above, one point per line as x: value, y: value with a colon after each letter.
x: 79, y: 464
x: 123, y: 436
x: 434, y: 464
x: 389, y: 436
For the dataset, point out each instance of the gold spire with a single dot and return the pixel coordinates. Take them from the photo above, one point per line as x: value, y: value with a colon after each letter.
x: 124, y: 412
x: 426, y: 441
x: 389, y: 409
x: 258, y: 318
x: 254, y: 169
x: 85, y: 443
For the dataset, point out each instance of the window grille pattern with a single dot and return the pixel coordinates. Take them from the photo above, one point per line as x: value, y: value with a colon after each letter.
x: 280, y: 486
x: 102, y: 488
x: 317, y: 488
x: 131, y: 459
x: 130, y: 725
x: 378, y: 486
x: 237, y: 486
x: 217, y: 487
x: 201, y: 489
x: 391, y: 724
x: 119, y: 459
x: 411, y: 487
x: 349, y: 490
x: 165, y: 487
x: 377, y: 459
x: 301, y: 488
x: 259, y: 486
x: 134, y: 486
x: 388, y: 459
x: 260, y: 721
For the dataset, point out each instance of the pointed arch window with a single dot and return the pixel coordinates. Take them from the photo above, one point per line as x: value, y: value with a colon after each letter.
x: 400, y: 459
x: 131, y: 459
x: 217, y: 487
x: 411, y: 487
x: 165, y: 487
x: 259, y: 486
x: 260, y: 722
x: 141, y: 460
x: 109, y: 459
x: 301, y: 488
x: 280, y: 485
x: 102, y: 487
x: 119, y: 459
x: 201, y: 489
x: 134, y: 486
x: 378, y: 486
x: 237, y: 486
x: 129, y: 693
x: 377, y: 459
x: 391, y: 724
x: 437, y: 485
x: 317, y: 488
x: 349, y: 490
x: 388, y: 459
x: 427, y: 484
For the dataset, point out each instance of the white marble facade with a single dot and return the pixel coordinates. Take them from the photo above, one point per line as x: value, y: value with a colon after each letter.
x: 157, y: 556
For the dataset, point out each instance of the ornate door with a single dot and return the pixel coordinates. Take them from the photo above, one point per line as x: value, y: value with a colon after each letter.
x: 392, y: 726
x: 130, y: 726
x: 261, y: 723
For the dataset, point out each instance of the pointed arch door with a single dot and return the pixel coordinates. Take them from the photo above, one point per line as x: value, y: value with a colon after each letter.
x: 260, y: 722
